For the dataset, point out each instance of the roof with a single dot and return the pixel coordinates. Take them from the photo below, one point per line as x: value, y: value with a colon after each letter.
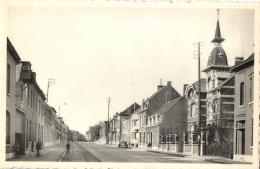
x: 168, y: 105
x: 38, y: 87
x: 12, y: 50
x: 217, y: 57
x: 224, y: 82
x: 217, y: 38
x: 129, y: 110
x: 244, y: 64
x: 202, y: 85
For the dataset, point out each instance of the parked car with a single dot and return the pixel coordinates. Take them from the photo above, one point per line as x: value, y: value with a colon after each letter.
x: 122, y: 144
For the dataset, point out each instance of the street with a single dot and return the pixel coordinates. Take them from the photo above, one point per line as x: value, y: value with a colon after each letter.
x: 90, y: 152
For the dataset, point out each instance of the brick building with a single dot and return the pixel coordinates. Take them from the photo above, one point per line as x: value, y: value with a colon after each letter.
x: 148, y: 114
x: 244, y: 102
x: 191, y: 135
x: 168, y: 130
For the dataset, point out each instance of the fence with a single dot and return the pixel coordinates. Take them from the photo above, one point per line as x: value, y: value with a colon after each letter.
x: 219, y: 149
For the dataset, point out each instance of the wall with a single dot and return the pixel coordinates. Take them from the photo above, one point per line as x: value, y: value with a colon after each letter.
x: 244, y: 112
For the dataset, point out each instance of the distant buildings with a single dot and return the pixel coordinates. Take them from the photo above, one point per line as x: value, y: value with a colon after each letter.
x: 29, y: 119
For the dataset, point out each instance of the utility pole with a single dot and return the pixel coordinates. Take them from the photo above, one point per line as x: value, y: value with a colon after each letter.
x: 199, y: 96
x: 50, y: 83
x: 199, y: 124
x: 108, y: 106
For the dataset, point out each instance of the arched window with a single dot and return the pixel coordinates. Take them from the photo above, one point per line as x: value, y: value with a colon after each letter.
x: 7, y: 127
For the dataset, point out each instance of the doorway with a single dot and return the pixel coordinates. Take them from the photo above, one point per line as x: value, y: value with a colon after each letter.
x: 240, y: 139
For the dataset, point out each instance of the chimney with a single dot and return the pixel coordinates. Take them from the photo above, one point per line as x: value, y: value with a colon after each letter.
x: 184, y: 88
x: 160, y: 85
x: 238, y: 60
x: 26, y: 66
x: 34, y: 75
x: 169, y: 83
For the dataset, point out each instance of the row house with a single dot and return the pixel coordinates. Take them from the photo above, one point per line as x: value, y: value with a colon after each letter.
x: 134, y: 127
x: 12, y: 60
x: 126, y: 122
x: 29, y: 119
x: 243, y: 108
x: 29, y: 105
x: 50, y: 132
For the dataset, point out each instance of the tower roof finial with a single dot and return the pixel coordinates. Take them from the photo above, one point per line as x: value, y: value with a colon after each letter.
x: 217, y: 38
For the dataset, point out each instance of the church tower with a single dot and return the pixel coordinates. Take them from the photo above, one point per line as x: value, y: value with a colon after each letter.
x: 217, y: 68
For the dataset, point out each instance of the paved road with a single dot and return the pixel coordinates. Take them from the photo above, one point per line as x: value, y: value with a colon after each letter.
x: 106, y: 153
x: 78, y: 153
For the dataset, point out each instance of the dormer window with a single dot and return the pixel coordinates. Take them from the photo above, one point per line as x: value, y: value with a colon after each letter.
x: 220, y: 54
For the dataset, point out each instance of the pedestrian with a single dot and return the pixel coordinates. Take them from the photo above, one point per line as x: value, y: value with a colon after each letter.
x: 68, y: 147
x: 17, y: 149
x: 38, y: 148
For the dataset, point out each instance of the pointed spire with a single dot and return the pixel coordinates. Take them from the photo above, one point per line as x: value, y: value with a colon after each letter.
x: 217, y: 38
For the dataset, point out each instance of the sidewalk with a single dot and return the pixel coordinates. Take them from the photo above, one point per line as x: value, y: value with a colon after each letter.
x: 214, y: 159
x: 51, y: 153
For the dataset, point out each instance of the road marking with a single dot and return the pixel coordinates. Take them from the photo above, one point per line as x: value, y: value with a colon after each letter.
x: 70, y: 155
x: 62, y: 156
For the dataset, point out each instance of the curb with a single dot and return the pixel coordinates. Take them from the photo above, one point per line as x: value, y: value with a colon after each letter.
x: 168, y: 153
x: 226, y: 161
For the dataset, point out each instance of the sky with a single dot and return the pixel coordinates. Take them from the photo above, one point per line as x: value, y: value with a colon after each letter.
x: 97, y: 52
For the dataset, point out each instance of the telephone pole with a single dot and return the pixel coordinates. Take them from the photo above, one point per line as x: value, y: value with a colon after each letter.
x: 198, y: 53
x: 50, y: 83
x: 108, y: 106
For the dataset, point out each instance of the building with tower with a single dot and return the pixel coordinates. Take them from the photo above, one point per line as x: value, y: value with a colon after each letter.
x: 220, y: 101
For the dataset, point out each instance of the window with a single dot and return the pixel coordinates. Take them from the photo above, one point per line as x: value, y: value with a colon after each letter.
x: 252, y: 133
x: 192, y: 114
x: 251, y: 89
x: 8, y: 78
x: 22, y: 92
x: 241, y: 93
x: 7, y: 127
x: 28, y: 96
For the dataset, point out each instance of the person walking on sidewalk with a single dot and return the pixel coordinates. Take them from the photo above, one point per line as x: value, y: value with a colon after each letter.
x: 68, y: 147
x: 38, y: 148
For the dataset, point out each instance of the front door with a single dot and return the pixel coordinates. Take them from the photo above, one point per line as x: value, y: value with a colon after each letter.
x: 240, y: 146
x: 19, y: 143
